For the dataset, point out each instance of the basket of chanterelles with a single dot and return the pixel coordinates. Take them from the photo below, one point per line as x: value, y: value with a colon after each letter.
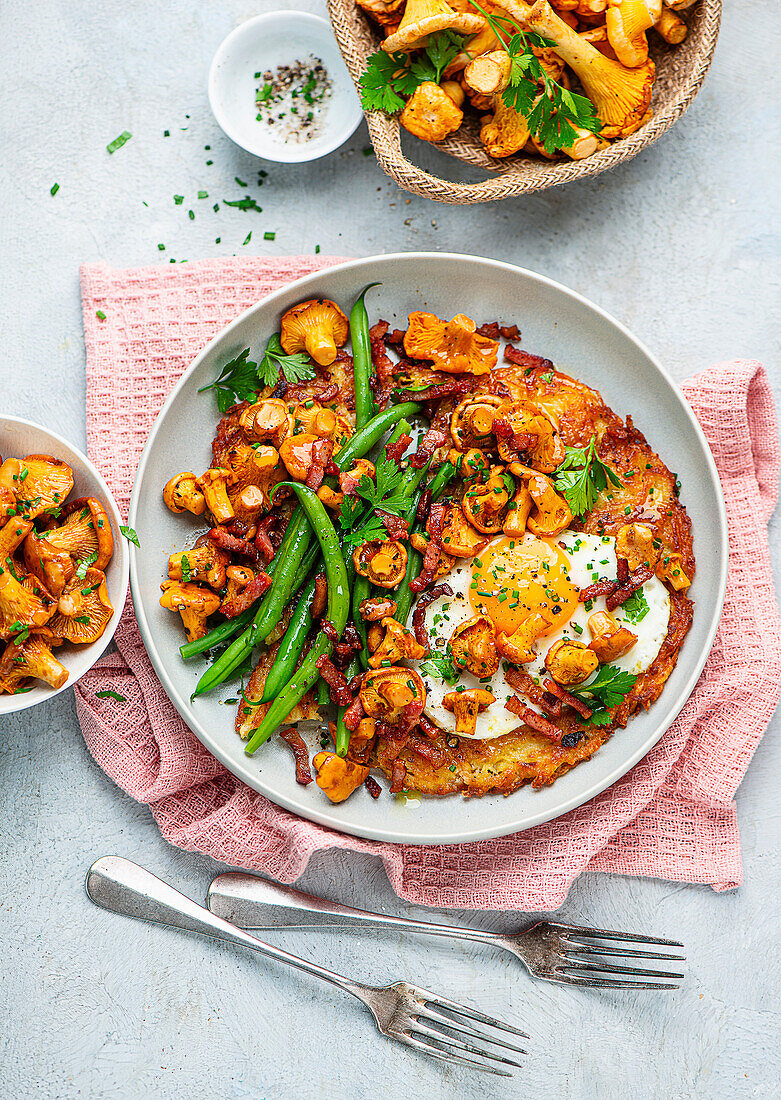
x: 640, y: 62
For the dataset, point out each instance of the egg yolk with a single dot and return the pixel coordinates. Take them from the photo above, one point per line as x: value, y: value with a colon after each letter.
x: 513, y: 580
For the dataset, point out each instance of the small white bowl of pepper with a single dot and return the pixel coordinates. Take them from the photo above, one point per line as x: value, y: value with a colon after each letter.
x: 278, y: 87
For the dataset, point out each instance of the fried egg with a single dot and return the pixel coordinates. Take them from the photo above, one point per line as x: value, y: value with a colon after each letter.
x: 515, y: 578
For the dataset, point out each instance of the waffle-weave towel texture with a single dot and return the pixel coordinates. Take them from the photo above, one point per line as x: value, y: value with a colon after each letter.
x: 673, y: 816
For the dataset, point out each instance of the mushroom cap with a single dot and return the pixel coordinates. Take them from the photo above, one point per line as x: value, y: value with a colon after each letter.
x: 570, y: 662
x: 85, y: 534
x: 485, y: 505
x: 30, y: 659
x: 453, y: 346
x: 430, y: 113
x: 183, y: 596
x: 526, y: 418
x: 459, y: 538
x: 22, y: 602
x: 626, y: 22
x: 382, y: 561
x: 39, y: 482
x: 337, y: 777
x: 466, y: 705
x: 317, y: 327
x: 181, y: 494
x: 385, y: 692
x: 473, y: 646
x: 397, y: 645
x: 425, y: 17
x: 471, y: 425
x: 83, y: 610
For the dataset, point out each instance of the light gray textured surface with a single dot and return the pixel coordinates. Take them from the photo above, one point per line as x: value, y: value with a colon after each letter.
x: 680, y: 245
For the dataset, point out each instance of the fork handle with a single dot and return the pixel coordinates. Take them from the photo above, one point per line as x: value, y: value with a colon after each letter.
x: 121, y: 886
x: 252, y: 902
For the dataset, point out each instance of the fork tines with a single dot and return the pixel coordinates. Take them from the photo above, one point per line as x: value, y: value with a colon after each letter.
x: 584, y: 956
x: 437, y: 1027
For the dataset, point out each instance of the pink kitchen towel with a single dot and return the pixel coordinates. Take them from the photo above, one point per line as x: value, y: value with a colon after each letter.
x: 673, y: 816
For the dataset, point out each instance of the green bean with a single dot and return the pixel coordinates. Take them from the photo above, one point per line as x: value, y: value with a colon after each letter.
x: 363, y: 441
x: 291, y: 645
x: 361, y: 590
x: 290, y: 554
x: 342, y: 733
x: 404, y: 597
x: 323, y: 693
x: 217, y: 635
x: 337, y: 611
x: 362, y: 359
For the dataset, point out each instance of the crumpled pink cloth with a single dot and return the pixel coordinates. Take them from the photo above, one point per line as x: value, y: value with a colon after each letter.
x: 673, y: 816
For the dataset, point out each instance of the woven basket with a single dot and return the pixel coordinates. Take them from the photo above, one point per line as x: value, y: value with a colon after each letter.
x: 680, y: 71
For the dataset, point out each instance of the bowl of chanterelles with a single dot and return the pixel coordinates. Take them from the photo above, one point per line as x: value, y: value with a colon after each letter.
x: 538, y: 94
x: 64, y: 564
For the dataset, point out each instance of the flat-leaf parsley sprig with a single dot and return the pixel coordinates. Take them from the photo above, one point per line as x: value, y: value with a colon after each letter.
x: 551, y: 111
x: 609, y: 688
x: 582, y: 476
x: 241, y: 378
x: 386, y: 491
x: 389, y: 77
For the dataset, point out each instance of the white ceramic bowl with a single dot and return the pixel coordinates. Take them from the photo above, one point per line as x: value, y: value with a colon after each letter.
x: 280, y: 38
x: 22, y: 437
x: 558, y: 323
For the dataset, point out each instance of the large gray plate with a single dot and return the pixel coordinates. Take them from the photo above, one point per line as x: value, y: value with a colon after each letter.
x: 581, y: 340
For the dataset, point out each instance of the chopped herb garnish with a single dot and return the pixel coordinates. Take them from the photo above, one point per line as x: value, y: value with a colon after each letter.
x: 269, y: 235
x: 178, y: 199
x: 636, y: 607
x: 247, y: 203
x: 85, y: 563
x: 101, y: 316
x: 130, y: 535
x: 582, y: 476
x: 247, y: 239
x: 110, y: 695
x: 161, y: 247
x: 54, y: 189
x: 118, y: 142
x: 203, y: 194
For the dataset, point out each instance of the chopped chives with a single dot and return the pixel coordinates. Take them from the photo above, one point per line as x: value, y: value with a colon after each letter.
x: 247, y: 239
x: 191, y: 215
x: 269, y: 236
x: 161, y: 247
x: 241, y: 183
x: 118, y: 142
x: 101, y: 316
x: 203, y: 194
x: 178, y: 199
x: 54, y: 189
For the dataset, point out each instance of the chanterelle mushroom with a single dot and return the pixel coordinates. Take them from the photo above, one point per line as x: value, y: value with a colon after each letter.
x: 518, y: 646
x: 472, y: 426
x: 505, y: 130
x: 636, y: 543
x: 30, y: 659
x: 214, y: 486
x: 397, y: 645
x: 181, y: 494
x: 40, y: 483
x: 551, y: 514
x: 83, y: 610
x: 384, y: 12
x: 337, y: 777
x: 194, y: 604
x: 84, y: 536
x: 392, y: 694
x: 626, y: 22
x: 453, y: 346
x: 621, y: 96
x: 485, y: 505
x: 426, y: 17
x: 609, y: 641
x: 535, y: 427
x: 670, y: 569
x: 473, y: 646
x: 317, y: 327
x: 430, y: 113
x: 466, y: 705
x: 22, y: 603
x: 201, y: 565
x: 268, y: 420
x: 383, y: 562
x: 570, y: 662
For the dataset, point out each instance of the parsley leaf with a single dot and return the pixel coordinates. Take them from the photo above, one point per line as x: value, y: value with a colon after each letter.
x: 551, y: 111
x: 582, y: 477
x: 636, y: 607
x: 378, y: 83
x: 371, y: 530
x: 110, y: 695
x: 441, y: 667
x: 187, y: 573
x: 85, y: 563
x: 237, y: 381
x: 389, y: 77
x: 384, y: 491
x: 130, y: 535
x: 295, y: 368
x: 247, y: 203
x: 609, y: 688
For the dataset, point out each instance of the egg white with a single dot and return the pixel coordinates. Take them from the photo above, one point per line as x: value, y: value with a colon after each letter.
x: 590, y: 558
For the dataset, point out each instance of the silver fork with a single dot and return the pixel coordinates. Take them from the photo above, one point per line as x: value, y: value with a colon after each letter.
x: 551, y: 951
x: 416, y: 1017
